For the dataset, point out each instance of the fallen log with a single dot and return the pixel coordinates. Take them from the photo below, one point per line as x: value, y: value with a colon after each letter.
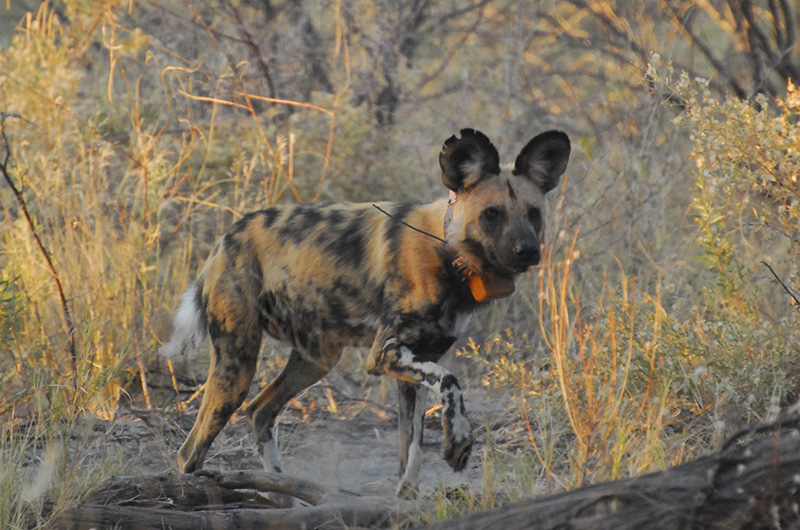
x: 207, y: 487
x: 362, y: 513
x: 222, y: 501
x: 752, y: 482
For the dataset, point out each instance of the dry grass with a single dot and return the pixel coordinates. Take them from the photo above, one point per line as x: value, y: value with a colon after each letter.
x: 134, y: 181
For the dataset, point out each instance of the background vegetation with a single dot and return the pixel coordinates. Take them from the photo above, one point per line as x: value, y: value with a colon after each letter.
x: 666, y: 313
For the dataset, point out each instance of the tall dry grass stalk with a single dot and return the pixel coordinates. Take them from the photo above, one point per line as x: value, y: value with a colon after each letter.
x: 612, y: 374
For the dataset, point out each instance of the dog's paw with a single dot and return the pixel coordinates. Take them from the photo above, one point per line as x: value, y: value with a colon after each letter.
x: 407, y: 491
x: 457, y: 454
x: 457, y: 443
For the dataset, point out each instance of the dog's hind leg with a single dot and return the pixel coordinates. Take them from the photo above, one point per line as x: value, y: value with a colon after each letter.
x: 236, y: 337
x: 298, y: 374
x: 412, y: 400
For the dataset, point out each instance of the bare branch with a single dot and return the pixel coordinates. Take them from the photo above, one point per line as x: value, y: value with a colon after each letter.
x: 721, y: 69
x: 4, y: 169
x: 780, y: 35
x: 255, y: 50
x: 788, y: 289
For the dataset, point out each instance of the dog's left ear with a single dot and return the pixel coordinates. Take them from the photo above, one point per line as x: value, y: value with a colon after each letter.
x: 544, y: 159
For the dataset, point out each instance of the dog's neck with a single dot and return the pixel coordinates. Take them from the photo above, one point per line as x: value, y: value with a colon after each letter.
x: 483, y: 287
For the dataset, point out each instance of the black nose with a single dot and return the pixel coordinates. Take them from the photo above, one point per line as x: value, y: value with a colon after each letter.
x: 527, y: 253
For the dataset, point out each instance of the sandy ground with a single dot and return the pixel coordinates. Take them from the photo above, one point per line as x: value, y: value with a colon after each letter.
x: 339, y: 433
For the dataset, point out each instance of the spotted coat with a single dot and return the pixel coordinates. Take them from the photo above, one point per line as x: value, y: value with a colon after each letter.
x: 323, y: 276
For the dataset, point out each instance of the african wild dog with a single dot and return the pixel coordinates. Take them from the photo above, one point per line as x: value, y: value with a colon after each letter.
x: 324, y: 276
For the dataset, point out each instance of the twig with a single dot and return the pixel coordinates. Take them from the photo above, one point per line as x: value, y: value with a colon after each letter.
x: 376, y: 408
x: 24, y: 207
x: 254, y: 49
x: 785, y: 287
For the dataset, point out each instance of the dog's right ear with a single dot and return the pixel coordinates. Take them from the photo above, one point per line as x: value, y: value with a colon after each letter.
x: 468, y: 159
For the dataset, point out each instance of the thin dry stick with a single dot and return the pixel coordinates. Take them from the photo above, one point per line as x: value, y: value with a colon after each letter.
x: 24, y: 207
x: 785, y: 287
x: 178, y: 407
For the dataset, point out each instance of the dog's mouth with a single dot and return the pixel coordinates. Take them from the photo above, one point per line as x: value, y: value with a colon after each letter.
x: 506, y: 264
x: 519, y: 268
x: 504, y: 268
x: 525, y: 267
x: 514, y: 262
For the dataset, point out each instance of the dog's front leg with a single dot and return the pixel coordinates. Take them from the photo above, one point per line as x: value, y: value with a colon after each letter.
x: 389, y: 356
x: 411, y: 411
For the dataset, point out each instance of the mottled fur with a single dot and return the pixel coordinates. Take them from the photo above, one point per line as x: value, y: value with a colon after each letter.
x: 323, y: 276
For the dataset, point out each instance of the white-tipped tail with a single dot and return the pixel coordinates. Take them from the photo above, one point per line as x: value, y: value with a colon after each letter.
x: 189, y: 329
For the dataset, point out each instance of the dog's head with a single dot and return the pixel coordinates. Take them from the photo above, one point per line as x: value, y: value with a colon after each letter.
x: 498, y: 218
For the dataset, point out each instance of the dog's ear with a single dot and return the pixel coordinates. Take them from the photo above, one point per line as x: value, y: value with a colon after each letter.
x: 544, y: 159
x: 468, y: 159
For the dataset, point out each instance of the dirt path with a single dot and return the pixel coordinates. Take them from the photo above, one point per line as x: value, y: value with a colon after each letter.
x: 335, y: 434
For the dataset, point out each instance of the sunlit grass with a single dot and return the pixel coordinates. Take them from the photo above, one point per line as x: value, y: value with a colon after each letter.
x: 111, y: 188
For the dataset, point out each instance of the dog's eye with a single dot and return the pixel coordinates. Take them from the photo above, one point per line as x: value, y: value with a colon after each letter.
x: 491, y: 213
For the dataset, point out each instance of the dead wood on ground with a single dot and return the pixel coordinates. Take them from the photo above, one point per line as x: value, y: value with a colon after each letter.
x: 752, y: 482
x: 222, y: 501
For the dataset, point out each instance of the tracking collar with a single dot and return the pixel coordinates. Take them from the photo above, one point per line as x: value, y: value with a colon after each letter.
x: 482, y: 287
